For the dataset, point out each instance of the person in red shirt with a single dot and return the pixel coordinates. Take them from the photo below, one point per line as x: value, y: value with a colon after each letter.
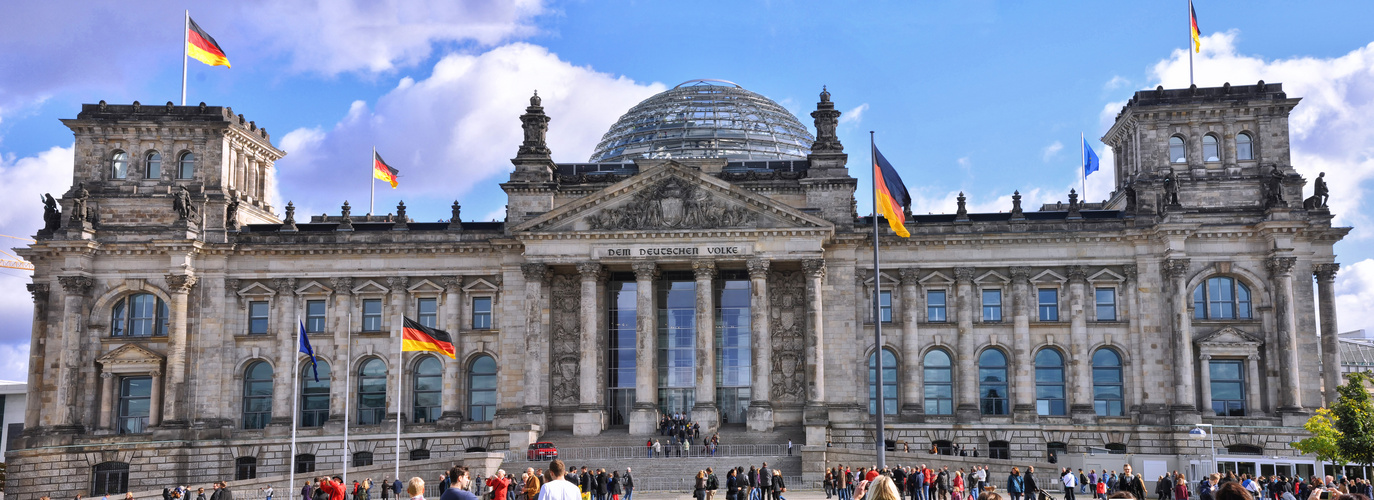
x: 498, y: 484
x: 334, y: 487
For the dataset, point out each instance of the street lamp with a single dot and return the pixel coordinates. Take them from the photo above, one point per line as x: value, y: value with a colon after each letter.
x: 1197, y: 434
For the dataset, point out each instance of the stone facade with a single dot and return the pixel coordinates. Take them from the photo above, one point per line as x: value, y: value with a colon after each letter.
x: 188, y: 304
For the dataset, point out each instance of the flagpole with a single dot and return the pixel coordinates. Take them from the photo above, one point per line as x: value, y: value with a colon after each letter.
x: 400, y: 350
x: 1083, y: 159
x: 1190, y: 42
x: 348, y: 371
x: 185, y: 39
x: 372, y: 181
x: 295, y: 402
x: 877, y: 308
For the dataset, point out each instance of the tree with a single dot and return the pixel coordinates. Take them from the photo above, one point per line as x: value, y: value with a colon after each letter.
x: 1325, y: 439
x: 1354, y: 414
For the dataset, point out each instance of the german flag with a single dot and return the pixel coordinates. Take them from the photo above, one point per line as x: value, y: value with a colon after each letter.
x: 380, y: 170
x: 891, y: 194
x: 202, y: 47
x: 418, y: 337
x: 1192, y: 21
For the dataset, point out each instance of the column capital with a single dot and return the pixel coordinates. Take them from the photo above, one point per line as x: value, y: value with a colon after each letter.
x: 1326, y: 273
x: 1078, y: 273
x: 963, y: 274
x: 76, y: 285
x: 181, y: 282
x: 704, y: 269
x: 645, y: 270
x: 1281, y: 266
x: 1176, y: 268
x: 107, y: 375
x: 590, y: 270
x: 1020, y: 274
x: 39, y: 291
x: 1131, y: 272
x: 758, y: 267
x: 815, y: 268
x: 342, y: 285
x: 535, y: 271
x: 397, y: 283
x: 911, y: 275
x: 452, y: 283
x: 155, y: 374
x: 231, y: 285
x: 1205, y: 357
x: 285, y: 286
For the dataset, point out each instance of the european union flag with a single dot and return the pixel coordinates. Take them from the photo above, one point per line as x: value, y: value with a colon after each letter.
x: 309, y: 351
x: 1089, y: 159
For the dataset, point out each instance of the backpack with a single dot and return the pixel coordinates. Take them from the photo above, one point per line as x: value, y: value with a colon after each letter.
x: 711, y: 482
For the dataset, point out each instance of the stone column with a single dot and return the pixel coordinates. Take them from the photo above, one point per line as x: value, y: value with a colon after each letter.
x: 912, y: 391
x: 68, y: 368
x: 1253, y: 405
x: 590, y: 417
x: 705, y: 411
x: 644, y: 418
x: 155, y: 400
x: 815, y: 343
x: 536, y: 339
x: 37, y: 368
x: 1281, y: 269
x: 341, y: 360
x: 1228, y: 140
x: 1126, y: 310
x: 287, y: 351
x: 1080, y: 362
x: 107, y: 402
x: 1176, y: 271
x: 760, y: 406
x: 1331, y: 344
x: 451, y: 405
x: 965, y: 365
x: 1023, y: 362
x: 1206, y: 372
x: 176, y: 409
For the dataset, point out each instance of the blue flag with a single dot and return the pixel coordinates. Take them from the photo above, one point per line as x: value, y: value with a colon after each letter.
x: 1089, y: 159
x: 309, y: 351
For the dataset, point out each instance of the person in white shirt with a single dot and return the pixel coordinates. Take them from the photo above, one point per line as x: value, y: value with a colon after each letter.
x: 558, y: 488
x: 1070, y: 483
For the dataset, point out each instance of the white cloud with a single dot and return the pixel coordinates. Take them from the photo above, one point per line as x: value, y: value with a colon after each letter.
x: 457, y: 128
x: 23, y: 180
x: 964, y: 162
x: 1330, y: 129
x: 854, y: 115
x: 1051, y: 150
x: 1354, y: 293
x: 1117, y: 82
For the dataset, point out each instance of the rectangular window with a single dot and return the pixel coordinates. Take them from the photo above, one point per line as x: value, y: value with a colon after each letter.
x: 1228, y: 387
x: 257, y: 317
x: 885, y: 305
x: 372, y: 315
x: 1106, y: 304
x: 481, y: 313
x: 1048, y: 298
x: 935, y: 306
x: 427, y: 312
x: 314, y: 316
x: 992, y: 305
x: 135, y: 396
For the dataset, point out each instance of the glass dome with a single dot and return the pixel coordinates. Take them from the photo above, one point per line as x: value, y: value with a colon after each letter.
x: 705, y: 119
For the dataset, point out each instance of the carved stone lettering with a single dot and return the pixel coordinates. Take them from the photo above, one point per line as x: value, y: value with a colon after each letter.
x: 672, y: 204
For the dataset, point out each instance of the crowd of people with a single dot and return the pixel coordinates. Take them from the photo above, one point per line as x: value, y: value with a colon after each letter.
x: 682, y: 434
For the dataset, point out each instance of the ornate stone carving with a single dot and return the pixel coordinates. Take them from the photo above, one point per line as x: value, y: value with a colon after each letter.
x: 963, y: 274
x: 1326, y: 273
x: 79, y: 212
x: 183, y: 206
x: 534, y: 271
x: 39, y: 292
x: 645, y: 270
x: 592, y: 178
x: 452, y: 283
x: 1020, y: 274
x: 52, y: 216
x: 566, y: 298
x: 535, y: 124
x: 755, y: 175
x: 911, y: 276
x: 591, y: 270
x: 290, y: 223
x: 231, y: 215
x: 1273, y: 187
x: 75, y: 285
x: 704, y: 269
x: 1280, y: 266
x: 1176, y: 268
x: 758, y: 267
x: 346, y: 217
x: 285, y: 286
x: 455, y: 220
x: 1078, y: 273
x: 827, y: 119
x: 342, y: 285
x: 815, y: 268
x: 397, y: 283
x: 1132, y: 273
x: 963, y: 204
x: 231, y: 285
x: 1016, y: 212
x: 672, y: 203
x: 787, y: 308
x: 181, y: 282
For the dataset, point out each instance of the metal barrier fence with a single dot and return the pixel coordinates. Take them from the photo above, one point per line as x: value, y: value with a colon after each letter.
x: 643, y: 452
x: 642, y: 484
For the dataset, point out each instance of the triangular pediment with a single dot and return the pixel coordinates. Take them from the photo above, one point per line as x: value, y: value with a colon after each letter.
x: 1048, y: 276
x: 129, y: 354
x: 425, y: 286
x: 257, y: 289
x: 370, y: 286
x: 1106, y: 275
x: 991, y: 277
x: 888, y: 280
x: 936, y: 278
x: 314, y: 288
x: 672, y: 197
x: 480, y: 285
x: 1230, y: 336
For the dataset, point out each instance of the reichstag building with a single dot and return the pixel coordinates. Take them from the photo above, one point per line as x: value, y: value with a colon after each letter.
x: 709, y: 259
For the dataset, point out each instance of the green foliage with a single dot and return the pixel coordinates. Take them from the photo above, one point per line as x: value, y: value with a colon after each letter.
x: 1354, y: 414
x: 1325, y: 440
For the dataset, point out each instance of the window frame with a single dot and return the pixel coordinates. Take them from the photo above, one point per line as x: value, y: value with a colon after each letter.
x: 256, y: 420
x: 488, y: 411
x: 186, y: 165
x: 1243, y: 404
x: 254, y: 319
x: 994, y: 405
x: 102, y: 474
x: 891, y: 383
x: 308, y: 416
x: 1102, y: 406
x: 1248, y: 153
x: 419, y: 454
x: 942, y: 307
x: 304, y: 463
x: 1182, y: 144
x: 1216, y: 148
x: 433, y: 316
x: 432, y: 412
x: 999, y: 450
x: 362, y: 459
x: 123, y: 319
x: 119, y: 165
x: 1062, y: 384
x: 1239, y: 309
x: 123, y: 417
x: 148, y: 162
x: 482, y: 319
x: 316, y: 322
x: 926, y: 370
x: 1098, y: 305
x: 1047, y: 311
x: 374, y: 414
x: 885, y: 310
x: 992, y: 313
x: 376, y: 317
x: 245, y: 468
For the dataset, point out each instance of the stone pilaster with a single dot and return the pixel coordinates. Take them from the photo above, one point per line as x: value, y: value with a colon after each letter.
x: 155, y: 399
x: 1331, y: 345
x: 287, y: 352
x: 176, y: 409
x: 1281, y: 270
x: 815, y: 342
x: 41, y: 293
x: 912, y: 407
x: 644, y: 418
x: 107, y: 402
x: 590, y: 417
x: 1176, y: 273
x: 1206, y: 385
x: 760, y: 407
x: 451, y: 405
x: 1127, y: 310
x: 341, y: 365
x: 966, y: 401
x: 1023, y: 362
x: 705, y: 412
x: 536, y: 338
x: 65, y: 416
x: 1080, y: 362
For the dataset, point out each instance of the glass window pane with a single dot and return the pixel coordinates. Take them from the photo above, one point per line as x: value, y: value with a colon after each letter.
x: 1243, y: 147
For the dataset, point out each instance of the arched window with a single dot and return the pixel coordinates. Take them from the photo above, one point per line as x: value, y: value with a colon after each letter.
x: 1244, y: 449
x: 245, y: 468
x: 257, y: 395
x: 889, y: 383
x: 186, y: 165
x: 1178, y: 153
x: 1116, y: 448
x: 372, y: 392
x: 1210, y: 151
x: 939, y: 383
x: 362, y: 459
x: 1108, y: 392
x: 119, y: 165
x: 419, y: 454
x: 992, y: 382
x: 139, y: 315
x: 1000, y: 450
x: 152, y: 165
x: 429, y: 386
x: 1049, y: 383
x: 1244, y: 147
x: 110, y: 477
x: 482, y: 389
x: 305, y: 462
x: 1221, y: 298
x: 315, y: 394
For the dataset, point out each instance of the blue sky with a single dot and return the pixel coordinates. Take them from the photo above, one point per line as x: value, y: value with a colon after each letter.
x: 980, y: 96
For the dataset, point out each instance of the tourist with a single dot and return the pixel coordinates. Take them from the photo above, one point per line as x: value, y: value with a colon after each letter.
x: 712, y: 484
x: 629, y: 485
x: 658, y: 448
x: 1070, y: 482
x: 415, y: 488
x: 958, y: 488
x: 1016, y: 484
x: 779, y: 486
x: 1181, y: 488
x: 617, y: 487
x: 557, y: 488
x: 699, y: 486
x: 531, y: 484
x: 827, y: 484
x: 499, y: 484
